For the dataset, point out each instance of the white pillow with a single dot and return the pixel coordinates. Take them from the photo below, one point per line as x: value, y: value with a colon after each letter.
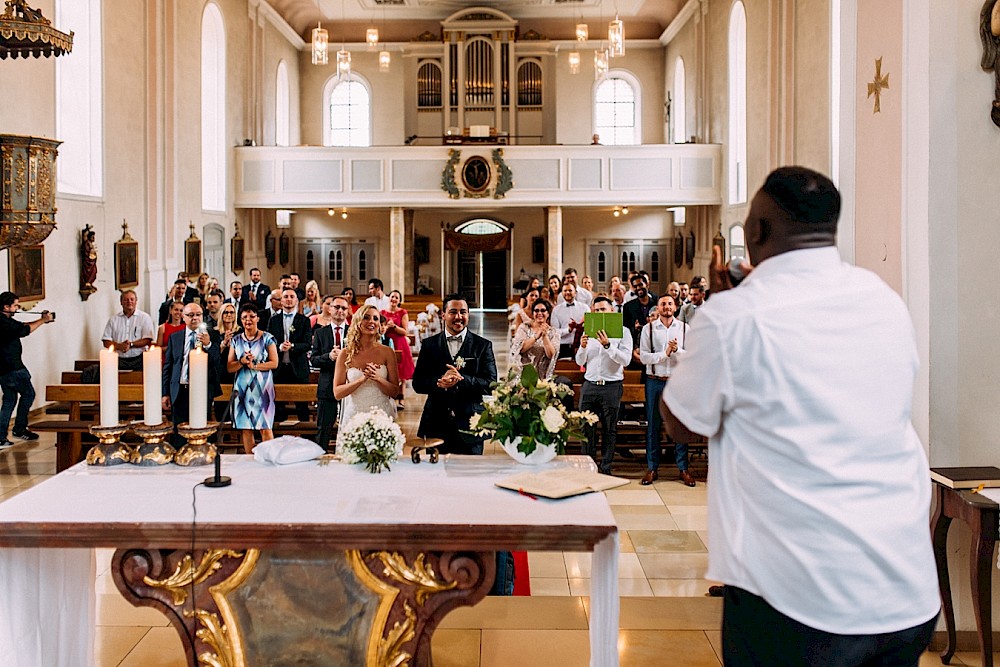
x: 287, y: 449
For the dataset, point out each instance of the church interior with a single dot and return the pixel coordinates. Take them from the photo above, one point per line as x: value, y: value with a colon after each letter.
x: 449, y: 147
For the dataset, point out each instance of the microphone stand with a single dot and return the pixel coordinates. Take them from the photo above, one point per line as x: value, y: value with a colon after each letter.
x: 218, y: 481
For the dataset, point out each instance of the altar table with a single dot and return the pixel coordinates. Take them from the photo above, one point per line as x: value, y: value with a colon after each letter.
x: 400, y: 549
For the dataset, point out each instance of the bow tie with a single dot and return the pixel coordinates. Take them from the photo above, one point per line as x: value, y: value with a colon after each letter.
x: 454, y: 339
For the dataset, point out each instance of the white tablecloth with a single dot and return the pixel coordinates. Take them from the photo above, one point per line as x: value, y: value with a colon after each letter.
x: 47, y: 598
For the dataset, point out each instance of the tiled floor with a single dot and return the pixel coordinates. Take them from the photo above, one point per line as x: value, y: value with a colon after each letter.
x: 666, y: 618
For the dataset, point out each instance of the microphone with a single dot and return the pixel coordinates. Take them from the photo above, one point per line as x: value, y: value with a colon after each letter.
x: 736, y: 271
x: 202, y: 328
x: 218, y: 481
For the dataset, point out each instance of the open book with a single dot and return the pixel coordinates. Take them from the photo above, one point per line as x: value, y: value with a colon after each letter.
x: 967, y: 477
x: 611, y: 323
x: 560, y: 483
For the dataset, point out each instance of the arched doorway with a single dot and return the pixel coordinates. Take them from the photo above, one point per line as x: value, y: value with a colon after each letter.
x: 482, y: 247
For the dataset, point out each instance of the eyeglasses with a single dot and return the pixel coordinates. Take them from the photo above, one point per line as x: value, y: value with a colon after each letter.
x: 340, y: 307
x: 540, y: 310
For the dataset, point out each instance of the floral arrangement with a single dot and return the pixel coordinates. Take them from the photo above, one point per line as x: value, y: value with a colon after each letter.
x: 372, y: 438
x: 529, y: 411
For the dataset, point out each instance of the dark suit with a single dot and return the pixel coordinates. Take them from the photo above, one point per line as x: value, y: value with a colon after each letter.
x: 296, y: 370
x: 633, y: 311
x: 263, y: 296
x: 447, y: 411
x: 324, y: 340
x: 173, y: 364
x: 192, y: 295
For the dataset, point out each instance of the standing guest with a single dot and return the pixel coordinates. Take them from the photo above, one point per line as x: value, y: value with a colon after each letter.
x: 689, y: 309
x: 628, y: 281
x: 129, y: 331
x: 536, y: 342
x: 583, y: 295
x: 176, y: 395
x: 228, y: 328
x: 535, y: 283
x: 635, y: 314
x: 213, y: 284
x: 296, y: 281
x: 376, y: 295
x: 252, y: 357
x: 674, y: 290
x: 528, y: 300
x: 327, y: 343
x: 555, y: 289
x: 605, y: 359
x: 190, y: 291
x: 397, y: 330
x: 273, y: 310
x: 684, y: 294
x: 618, y: 296
x: 256, y: 292
x: 587, y: 283
x: 543, y: 294
x: 660, y: 344
x: 324, y: 316
x: 310, y: 305
x: 293, y: 334
x: 213, y: 304
x: 818, y: 489
x: 173, y: 324
x: 348, y: 293
x: 567, y: 319
x: 15, y: 380
x: 235, y: 293
x: 177, y: 292
x: 202, y: 286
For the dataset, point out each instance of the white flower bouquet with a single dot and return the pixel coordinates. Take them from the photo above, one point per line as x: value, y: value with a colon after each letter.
x: 372, y: 438
x: 529, y: 411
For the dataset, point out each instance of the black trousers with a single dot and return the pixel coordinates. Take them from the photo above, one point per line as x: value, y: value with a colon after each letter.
x: 326, y: 416
x: 285, y: 374
x: 755, y: 633
x: 604, y: 401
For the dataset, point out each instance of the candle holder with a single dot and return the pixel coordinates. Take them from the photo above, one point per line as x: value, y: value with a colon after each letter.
x: 109, y: 450
x: 198, y: 451
x: 154, y: 450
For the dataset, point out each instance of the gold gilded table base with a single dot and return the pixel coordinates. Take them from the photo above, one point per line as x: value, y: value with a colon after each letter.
x: 238, y: 608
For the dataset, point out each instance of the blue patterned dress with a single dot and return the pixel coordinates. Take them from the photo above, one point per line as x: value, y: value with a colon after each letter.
x: 253, y: 407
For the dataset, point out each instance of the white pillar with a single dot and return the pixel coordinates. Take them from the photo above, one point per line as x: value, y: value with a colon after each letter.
x: 553, y: 241
x: 397, y: 250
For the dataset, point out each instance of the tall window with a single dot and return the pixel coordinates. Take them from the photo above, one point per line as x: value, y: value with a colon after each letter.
x: 679, y: 106
x: 348, y: 112
x: 737, y: 104
x: 213, y: 109
x: 79, y: 100
x: 282, y: 103
x: 616, y: 109
x: 737, y: 241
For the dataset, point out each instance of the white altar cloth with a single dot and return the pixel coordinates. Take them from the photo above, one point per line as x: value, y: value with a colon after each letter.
x: 459, y: 491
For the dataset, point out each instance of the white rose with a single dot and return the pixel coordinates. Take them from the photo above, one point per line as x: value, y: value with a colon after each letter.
x: 552, y: 419
x: 474, y: 421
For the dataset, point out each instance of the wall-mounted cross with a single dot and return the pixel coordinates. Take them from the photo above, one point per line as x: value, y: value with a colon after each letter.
x: 878, y: 85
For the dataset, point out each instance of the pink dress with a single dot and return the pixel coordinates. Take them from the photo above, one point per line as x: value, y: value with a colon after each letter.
x: 401, y: 343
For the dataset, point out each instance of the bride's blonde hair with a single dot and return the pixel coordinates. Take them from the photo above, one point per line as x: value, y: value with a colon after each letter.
x: 352, y: 344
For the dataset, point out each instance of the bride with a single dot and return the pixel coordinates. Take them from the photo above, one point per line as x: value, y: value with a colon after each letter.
x: 365, y: 376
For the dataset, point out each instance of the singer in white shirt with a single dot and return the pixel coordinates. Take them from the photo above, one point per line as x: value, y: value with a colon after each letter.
x: 661, y: 342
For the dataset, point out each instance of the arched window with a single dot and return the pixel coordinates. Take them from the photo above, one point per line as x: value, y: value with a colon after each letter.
x: 79, y: 101
x: 737, y: 104
x: 616, y: 109
x: 362, y: 266
x: 347, y: 112
x: 678, y: 107
x: 481, y: 226
x: 602, y: 267
x: 282, y: 104
x: 737, y: 241
x: 213, y: 109
x: 654, y: 267
x: 310, y: 265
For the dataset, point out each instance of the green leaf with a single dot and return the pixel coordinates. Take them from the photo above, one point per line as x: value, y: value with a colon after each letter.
x: 529, y: 377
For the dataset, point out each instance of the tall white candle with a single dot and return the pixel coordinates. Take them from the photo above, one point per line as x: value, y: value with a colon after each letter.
x: 109, y: 387
x: 198, y: 377
x: 152, y: 377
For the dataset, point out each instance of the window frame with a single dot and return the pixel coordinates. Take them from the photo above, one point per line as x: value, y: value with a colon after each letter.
x: 328, y: 88
x: 633, y: 81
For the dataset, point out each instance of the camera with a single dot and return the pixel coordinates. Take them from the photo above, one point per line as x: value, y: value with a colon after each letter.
x: 53, y: 314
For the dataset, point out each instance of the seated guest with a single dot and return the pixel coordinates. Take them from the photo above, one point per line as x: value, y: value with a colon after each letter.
x: 173, y: 324
x: 129, y: 332
x: 252, y: 356
x: 536, y: 343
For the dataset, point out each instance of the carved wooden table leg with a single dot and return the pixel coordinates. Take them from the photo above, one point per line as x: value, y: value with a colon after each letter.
x: 982, y: 576
x: 939, y: 534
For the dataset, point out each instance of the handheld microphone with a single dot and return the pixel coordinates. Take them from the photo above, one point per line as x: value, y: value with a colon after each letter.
x: 202, y: 328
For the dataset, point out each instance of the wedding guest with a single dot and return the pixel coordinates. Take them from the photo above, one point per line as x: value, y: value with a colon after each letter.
x: 397, y: 330
x: 324, y: 316
x: 129, y: 331
x: 528, y: 300
x: 327, y: 344
x: 228, y: 327
x: 310, y: 305
x: 536, y: 342
x: 253, y: 354
x: 351, y: 300
x: 175, y: 322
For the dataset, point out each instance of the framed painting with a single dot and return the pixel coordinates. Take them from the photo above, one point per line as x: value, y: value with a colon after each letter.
x: 237, y: 254
x: 270, y: 254
x: 192, y: 255
x: 679, y: 250
x: 27, y: 272
x: 126, y: 263
x: 689, y: 250
x: 284, y: 245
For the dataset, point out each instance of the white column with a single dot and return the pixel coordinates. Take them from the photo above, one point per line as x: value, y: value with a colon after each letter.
x: 397, y: 250
x: 553, y: 241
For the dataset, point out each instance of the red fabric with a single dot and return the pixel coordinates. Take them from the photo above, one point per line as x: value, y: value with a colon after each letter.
x: 522, y: 579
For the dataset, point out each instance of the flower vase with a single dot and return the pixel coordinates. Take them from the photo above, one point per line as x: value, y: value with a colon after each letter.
x: 542, y: 453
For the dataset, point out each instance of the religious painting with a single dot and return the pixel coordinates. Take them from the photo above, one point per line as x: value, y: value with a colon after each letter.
x: 192, y: 255
x: 237, y: 254
x: 689, y: 250
x: 476, y: 174
x: 126, y: 263
x: 537, y: 249
x: 26, y: 265
x: 269, y: 249
x: 283, y: 249
x: 679, y: 250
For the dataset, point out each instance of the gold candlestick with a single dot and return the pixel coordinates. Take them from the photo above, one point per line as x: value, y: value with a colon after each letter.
x: 198, y: 451
x: 154, y: 450
x: 109, y: 451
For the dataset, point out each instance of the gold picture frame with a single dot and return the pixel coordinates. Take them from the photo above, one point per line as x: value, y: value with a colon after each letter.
x: 26, y: 267
x: 237, y: 252
x: 192, y: 253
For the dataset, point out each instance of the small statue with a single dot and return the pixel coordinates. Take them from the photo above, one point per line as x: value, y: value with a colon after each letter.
x: 989, y: 32
x: 88, y: 257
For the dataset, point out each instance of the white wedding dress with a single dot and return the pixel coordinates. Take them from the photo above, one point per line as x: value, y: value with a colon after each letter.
x: 364, y: 398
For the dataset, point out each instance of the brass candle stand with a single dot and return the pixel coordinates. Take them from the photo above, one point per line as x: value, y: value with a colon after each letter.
x: 109, y: 451
x: 154, y: 450
x: 198, y: 451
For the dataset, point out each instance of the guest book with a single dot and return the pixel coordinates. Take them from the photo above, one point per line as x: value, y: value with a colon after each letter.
x: 560, y: 482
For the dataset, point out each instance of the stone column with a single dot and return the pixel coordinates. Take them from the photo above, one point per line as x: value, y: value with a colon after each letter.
x: 397, y: 250
x: 410, y: 266
x: 553, y: 242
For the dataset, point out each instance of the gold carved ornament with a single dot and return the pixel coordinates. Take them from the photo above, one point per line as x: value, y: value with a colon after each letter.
x: 419, y: 574
x: 25, y: 32
x: 187, y: 573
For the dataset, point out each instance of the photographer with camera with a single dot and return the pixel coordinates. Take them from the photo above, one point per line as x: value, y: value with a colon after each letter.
x: 15, y: 380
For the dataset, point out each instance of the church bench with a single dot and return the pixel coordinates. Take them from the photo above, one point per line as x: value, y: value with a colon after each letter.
x: 124, y: 377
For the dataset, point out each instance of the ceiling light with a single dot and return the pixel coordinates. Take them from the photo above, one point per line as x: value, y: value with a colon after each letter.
x: 371, y: 37
x: 320, y: 45
x: 617, y: 212
x: 600, y: 63
x: 384, y: 59
x: 343, y: 214
x: 330, y: 212
x: 624, y: 210
x: 582, y: 32
x: 574, y: 62
x: 616, y: 38
x: 344, y: 63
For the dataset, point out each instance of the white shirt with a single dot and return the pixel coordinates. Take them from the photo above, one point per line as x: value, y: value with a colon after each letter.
x: 584, y: 296
x: 455, y: 345
x: 562, y: 314
x: 382, y: 302
x: 120, y: 329
x: 653, y: 340
x: 609, y: 364
x: 818, y: 488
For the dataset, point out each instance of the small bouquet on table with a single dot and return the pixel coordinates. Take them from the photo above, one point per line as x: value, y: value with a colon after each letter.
x: 372, y: 438
x: 526, y: 415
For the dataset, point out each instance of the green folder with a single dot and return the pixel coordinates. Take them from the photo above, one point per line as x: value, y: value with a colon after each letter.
x: 611, y: 323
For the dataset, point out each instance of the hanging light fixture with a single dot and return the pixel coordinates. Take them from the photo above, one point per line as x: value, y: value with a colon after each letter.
x: 617, y: 212
x: 371, y: 37
x: 343, y: 214
x: 582, y: 32
x: 574, y: 62
x: 384, y: 60
x: 616, y: 37
x: 320, y: 45
x: 330, y: 212
x: 600, y: 63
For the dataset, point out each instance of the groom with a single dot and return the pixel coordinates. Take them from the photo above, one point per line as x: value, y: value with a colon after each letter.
x: 455, y: 369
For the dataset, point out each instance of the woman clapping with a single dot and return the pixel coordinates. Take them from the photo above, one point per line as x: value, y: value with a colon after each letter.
x: 536, y: 343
